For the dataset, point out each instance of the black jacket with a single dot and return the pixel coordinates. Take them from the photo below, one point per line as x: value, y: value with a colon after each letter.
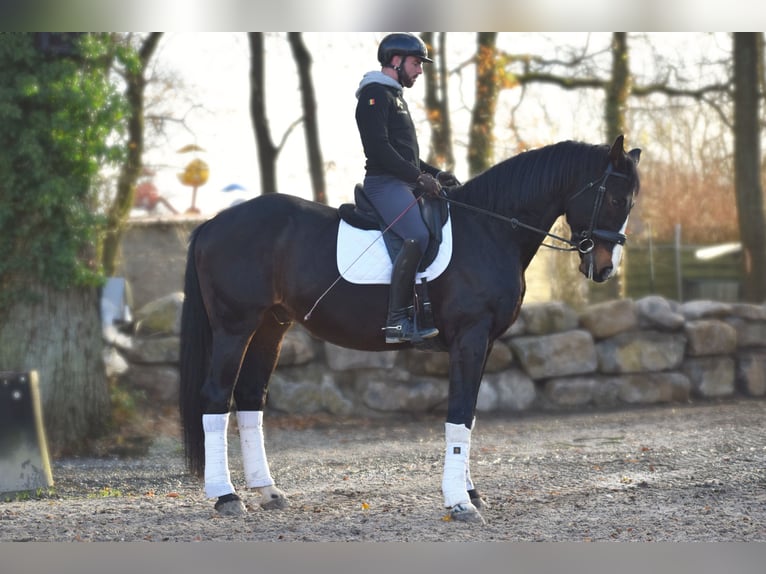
x: 388, y: 133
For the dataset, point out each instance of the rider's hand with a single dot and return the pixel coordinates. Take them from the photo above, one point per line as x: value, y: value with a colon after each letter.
x: 447, y: 179
x: 428, y: 184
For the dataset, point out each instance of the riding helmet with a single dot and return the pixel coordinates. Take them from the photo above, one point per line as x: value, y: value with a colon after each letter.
x: 403, y: 44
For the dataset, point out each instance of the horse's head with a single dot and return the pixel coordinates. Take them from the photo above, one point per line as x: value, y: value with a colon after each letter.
x: 598, y: 213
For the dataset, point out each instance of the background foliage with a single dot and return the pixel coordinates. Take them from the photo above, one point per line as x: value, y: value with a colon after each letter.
x: 59, y: 114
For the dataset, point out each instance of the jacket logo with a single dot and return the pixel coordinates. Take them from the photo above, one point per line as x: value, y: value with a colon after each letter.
x: 371, y: 102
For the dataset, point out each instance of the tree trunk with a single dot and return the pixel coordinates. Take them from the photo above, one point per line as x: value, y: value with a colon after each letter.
x: 747, y: 159
x: 311, y: 129
x: 267, y: 151
x: 617, y: 92
x: 60, y: 337
x: 436, y: 76
x: 618, y: 88
x: 480, y: 139
x: 130, y: 170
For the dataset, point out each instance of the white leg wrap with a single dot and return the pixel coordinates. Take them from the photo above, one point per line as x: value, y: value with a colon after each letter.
x: 458, y: 438
x: 217, y: 477
x: 257, y: 473
x: 468, y: 482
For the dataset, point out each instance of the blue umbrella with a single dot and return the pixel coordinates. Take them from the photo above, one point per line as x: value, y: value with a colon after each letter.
x: 233, y: 187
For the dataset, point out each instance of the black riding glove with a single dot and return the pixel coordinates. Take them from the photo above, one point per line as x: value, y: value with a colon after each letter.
x: 447, y: 179
x: 428, y: 184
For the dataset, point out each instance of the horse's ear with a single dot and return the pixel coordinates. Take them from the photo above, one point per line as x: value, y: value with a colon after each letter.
x: 615, y: 154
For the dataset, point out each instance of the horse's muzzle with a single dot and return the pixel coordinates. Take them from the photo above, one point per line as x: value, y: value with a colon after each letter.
x: 597, y: 264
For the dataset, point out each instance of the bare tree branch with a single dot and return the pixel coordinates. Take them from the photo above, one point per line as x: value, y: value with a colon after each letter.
x: 287, y: 133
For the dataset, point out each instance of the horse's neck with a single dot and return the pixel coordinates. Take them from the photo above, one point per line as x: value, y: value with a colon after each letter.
x: 534, y: 241
x: 540, y: 211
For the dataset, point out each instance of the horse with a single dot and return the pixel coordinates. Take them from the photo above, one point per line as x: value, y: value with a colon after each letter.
x: 258, y: 267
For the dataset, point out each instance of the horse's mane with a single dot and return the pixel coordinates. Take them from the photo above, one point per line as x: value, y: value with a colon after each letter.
x: 515, y: 182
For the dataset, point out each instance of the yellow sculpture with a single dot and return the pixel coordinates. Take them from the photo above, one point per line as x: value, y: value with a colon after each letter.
x: 195, y: 174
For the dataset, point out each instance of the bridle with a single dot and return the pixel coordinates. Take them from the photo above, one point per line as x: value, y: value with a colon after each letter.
x: 586, y: 239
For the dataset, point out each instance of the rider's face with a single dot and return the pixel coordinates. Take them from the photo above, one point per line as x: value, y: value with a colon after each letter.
x: 412, y: 67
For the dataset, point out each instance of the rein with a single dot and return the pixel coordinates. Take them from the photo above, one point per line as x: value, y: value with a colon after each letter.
x: 586, y: 243
x: 515, y: 223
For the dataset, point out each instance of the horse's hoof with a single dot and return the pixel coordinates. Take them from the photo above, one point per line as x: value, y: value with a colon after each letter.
x: 477, y: 500
x: 273, y: 499
x: 466, y: 512
x: 230, y: 505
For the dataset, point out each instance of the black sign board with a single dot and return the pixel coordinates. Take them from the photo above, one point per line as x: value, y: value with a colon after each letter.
x: 24, y: 462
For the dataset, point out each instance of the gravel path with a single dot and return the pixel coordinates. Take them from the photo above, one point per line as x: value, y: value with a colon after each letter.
x: 668, y: 473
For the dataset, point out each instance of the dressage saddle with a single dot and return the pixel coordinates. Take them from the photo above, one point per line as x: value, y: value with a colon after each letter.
x: 363, y: 215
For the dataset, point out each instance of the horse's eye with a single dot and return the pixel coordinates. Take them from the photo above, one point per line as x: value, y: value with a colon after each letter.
x: 618, y: 202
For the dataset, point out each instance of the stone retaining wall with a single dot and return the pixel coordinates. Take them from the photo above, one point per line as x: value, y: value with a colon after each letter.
x: 616, y: 353
x: 153, y: 255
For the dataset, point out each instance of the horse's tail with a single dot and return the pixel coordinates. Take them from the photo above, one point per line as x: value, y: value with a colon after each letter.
x: 196, y: 341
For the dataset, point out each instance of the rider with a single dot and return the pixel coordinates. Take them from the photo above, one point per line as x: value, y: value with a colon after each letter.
x: 393, y: 171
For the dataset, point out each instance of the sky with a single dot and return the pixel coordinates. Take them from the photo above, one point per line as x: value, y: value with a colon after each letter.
x: 215, y: 68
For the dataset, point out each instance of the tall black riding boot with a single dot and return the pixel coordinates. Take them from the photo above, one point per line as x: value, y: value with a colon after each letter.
x: 400, y: 325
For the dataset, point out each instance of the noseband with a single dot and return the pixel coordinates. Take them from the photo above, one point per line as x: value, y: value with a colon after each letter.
x: 587, y: 238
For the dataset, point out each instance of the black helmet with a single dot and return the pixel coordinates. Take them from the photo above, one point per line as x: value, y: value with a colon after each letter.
x: 402, y: 44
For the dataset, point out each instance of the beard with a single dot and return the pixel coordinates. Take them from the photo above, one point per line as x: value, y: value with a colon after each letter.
x: 406, y: 80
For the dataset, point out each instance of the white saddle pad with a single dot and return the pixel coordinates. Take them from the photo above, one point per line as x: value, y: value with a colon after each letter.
x: 363, y: 257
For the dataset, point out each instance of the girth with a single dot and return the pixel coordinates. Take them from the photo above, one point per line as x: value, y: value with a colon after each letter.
x: 363, y: 215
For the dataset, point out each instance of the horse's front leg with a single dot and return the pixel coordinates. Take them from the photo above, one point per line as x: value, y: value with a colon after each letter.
x: 468, y: 355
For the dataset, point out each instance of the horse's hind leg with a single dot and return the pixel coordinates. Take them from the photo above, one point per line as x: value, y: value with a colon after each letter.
x: 216, y: 402
x: 250, y: 397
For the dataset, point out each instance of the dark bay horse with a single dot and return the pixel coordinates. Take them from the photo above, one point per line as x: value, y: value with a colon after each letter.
x: 255, y: 268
